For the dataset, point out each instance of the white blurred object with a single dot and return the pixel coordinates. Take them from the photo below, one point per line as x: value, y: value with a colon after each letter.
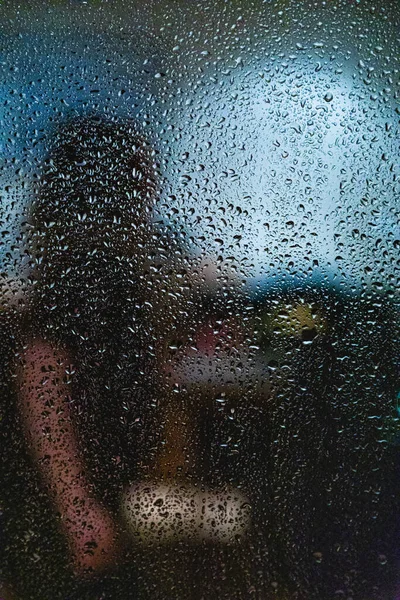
x: 225, y: 515
x: 158, y: 513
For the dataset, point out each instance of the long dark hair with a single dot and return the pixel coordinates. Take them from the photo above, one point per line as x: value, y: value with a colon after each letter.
x: 90, y: 221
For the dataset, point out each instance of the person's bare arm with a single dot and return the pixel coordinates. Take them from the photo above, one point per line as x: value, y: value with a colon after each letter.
x: 44, y: 378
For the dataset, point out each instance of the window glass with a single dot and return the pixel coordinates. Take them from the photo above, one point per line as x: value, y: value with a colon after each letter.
x: 199, y: 307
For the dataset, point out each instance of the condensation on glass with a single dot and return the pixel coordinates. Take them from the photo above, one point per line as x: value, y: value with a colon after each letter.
x: 199, y: 307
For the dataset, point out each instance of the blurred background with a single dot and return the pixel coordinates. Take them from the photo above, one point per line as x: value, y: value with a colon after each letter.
x: 267, y: 316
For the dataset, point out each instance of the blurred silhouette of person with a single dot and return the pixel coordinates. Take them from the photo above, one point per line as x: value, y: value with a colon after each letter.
x: 83, y: 365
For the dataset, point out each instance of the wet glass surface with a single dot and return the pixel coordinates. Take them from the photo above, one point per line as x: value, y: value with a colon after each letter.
x: 199, y: 305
